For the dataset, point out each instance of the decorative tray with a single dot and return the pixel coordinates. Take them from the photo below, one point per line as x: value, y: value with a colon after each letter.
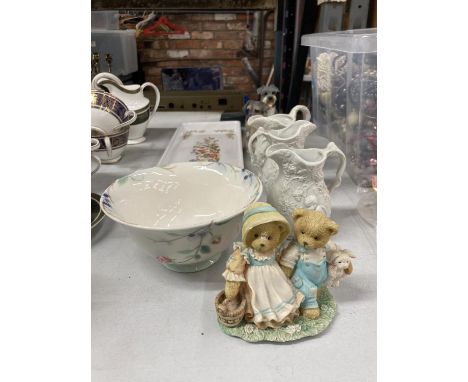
x: 205, y: 141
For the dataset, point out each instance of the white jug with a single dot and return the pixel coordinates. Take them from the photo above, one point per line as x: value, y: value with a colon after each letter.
x: 293, y: 136
x: 300, y: 181
x: 133, y: 97
x: 275, y: 121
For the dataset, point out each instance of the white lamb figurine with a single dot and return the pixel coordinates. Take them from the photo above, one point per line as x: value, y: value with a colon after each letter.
x: 339, y: 265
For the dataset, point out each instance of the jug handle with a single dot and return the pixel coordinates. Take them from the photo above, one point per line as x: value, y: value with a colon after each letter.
x: 253, y: 137
x: 305, y: 112
x: 331, y: 150
x: 158, y: 97
x: 104, y: 75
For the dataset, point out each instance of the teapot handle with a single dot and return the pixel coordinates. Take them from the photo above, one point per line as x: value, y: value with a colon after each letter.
x: 158, y: 97
x: 332, y: 149
x: 104, y: 75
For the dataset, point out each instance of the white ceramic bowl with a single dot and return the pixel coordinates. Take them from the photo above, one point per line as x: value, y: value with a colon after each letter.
x: 185, y: 214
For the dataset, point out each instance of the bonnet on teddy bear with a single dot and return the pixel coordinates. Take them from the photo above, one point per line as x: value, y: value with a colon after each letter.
x: 253, y: 273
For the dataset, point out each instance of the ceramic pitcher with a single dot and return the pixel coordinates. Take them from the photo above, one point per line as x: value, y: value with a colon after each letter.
x: 293, y: 136
x: 300, y: 180
x: 275, y: 121
x: 133, y: 97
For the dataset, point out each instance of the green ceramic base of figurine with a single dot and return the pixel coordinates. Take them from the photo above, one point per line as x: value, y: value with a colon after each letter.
x: 300, y: 328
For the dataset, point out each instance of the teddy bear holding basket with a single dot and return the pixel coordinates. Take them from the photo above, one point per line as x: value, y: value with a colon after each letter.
x: 255, y: 283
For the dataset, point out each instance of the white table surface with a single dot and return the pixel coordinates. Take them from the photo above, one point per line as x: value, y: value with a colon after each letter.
x: 152, y: 324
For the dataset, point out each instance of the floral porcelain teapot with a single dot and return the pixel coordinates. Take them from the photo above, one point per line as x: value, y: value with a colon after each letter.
x: 294, y: 136
x: 299, y: 181
x: 133, y: 97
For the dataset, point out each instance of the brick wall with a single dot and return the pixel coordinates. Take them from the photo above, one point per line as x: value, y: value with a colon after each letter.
x: 212, y: 40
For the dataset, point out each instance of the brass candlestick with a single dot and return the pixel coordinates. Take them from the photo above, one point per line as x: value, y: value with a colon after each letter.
x: 95, y: 65
x: 109, y: 61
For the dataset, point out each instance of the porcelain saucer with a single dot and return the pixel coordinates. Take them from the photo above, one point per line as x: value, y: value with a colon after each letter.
x: 96, y: 213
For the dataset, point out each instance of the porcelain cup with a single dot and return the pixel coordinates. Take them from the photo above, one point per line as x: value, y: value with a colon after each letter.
x: 134, y: 98
x: 109, y: 113
x: 111, y: 146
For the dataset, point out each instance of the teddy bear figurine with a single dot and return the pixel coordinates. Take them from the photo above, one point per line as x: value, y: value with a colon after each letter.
x: 306, y: 258
x: 253, y: 278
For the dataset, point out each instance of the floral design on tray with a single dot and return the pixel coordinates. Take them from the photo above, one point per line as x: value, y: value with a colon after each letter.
x: 207, y: 150
x: 186, y: 135
x: 229, y: 133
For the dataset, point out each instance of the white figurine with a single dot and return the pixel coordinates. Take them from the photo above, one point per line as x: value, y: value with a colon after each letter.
x: 338, y: 267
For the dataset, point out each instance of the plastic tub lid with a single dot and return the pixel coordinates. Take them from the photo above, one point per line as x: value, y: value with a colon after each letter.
x: 122, y: 32
x: 352, y: 41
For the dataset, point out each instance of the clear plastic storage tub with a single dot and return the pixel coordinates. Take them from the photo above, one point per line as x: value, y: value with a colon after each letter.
x: 344, y: 95
x: 121, y: 45
x: 105, y: 20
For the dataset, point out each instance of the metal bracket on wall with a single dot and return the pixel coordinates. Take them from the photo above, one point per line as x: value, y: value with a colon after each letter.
x: 331, y: 17
x: 294, y: 18
x: 358, y: 14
